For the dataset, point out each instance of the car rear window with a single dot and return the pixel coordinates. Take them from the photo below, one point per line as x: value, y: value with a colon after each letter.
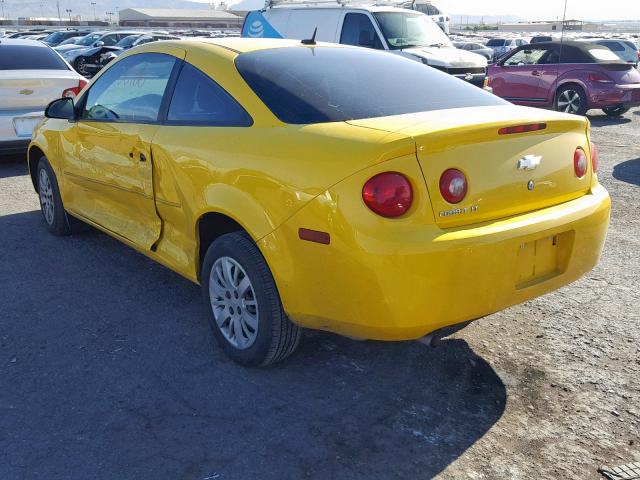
x: 303, y: 85
x: 27, y: 57
x: 496, y: 42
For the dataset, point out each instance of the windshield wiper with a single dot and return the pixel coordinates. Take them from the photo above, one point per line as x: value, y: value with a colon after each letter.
x: 438, y: 45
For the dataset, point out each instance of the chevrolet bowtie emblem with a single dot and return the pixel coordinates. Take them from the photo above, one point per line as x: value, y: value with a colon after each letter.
x: 529, y: 162
x: 26, y: 91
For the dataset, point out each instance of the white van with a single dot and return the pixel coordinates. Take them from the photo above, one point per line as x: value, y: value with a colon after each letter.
x: 401, y: 31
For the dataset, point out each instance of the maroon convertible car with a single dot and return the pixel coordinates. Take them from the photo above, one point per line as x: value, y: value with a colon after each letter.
x: 568, y: 76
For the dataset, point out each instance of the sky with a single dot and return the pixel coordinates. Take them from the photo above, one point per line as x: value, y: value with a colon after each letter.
x: 547, y: 9
x: 537, y: 9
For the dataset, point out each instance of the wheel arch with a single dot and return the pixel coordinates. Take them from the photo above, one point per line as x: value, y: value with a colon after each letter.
x: 208, y: 227
x: 34, y: 155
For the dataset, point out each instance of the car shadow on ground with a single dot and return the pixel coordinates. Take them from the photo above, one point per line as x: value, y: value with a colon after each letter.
x: 603, y: 120
x: 628, y: 171
x: 12, y: 166
x: 109, y: 370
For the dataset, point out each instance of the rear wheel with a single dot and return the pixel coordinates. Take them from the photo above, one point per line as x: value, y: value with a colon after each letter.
x: 247, y: 317
x: 55, y: 218
x: 616, y: 111
x: 571, y: 99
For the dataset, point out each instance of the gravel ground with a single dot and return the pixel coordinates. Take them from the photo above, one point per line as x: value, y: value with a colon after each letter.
x: 108, y: 370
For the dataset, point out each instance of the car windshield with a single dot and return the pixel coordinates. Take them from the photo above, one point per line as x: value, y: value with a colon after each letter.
x: 303, y: 85
x: 88, y: 40
x: 27, y: 57
x: 496, y: 42
x: 53, y: 37
x: 406, y: 30
x: 127, y: 41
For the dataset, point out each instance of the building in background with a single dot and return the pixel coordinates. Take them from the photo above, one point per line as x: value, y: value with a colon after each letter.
x: 178, y: 18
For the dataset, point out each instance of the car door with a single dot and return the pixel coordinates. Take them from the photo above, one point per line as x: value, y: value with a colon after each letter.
x: 518, y: 78
x: 117, y: 122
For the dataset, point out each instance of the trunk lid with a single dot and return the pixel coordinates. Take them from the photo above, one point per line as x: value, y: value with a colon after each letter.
x: 33, y: 89
x: 468, y: 140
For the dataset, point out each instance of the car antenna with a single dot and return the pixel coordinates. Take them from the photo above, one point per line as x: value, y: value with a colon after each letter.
x: 312, y: 40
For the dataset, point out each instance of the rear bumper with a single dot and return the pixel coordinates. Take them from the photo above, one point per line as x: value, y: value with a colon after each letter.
x: 17, y: 125
x: 13, y: 147
x: 614, y: 95
x: 400, y: 286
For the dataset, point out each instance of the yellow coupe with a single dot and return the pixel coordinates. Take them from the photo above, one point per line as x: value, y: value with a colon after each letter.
x: 322, y: 186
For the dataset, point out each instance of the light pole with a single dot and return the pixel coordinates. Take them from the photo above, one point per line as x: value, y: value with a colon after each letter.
x: 109, y: 13
x: 68, y: 10
x: 2, y: 5
x: 117, y: 15
x: 93, y: 4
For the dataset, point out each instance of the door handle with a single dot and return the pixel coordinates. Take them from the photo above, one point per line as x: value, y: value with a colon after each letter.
x: 143, y: 158
x: 536, y: 73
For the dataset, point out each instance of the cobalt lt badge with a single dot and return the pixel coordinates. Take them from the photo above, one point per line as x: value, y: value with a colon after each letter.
x: 531, y: 185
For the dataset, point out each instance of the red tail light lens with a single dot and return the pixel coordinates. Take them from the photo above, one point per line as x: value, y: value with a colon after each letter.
x: 599, y: 77
x: 73, y: 92
x: 595, y: 157
x: 580, y: 162
x: 388, y: 194
x: 453, y: 185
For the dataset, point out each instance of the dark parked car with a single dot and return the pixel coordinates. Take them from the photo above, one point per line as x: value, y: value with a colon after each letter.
x: 541, y: 38
x: 572, y: 77
x: 56, y: 38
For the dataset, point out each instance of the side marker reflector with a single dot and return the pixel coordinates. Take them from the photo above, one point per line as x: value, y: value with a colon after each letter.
x: 314, y: 236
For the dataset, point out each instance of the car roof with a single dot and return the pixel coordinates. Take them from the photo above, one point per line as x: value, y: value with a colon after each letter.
x: 244, y: 44
x: 22, y: 41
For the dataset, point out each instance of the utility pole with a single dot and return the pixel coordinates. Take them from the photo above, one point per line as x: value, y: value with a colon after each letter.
x: 93, y: 4
x: 59, y: 17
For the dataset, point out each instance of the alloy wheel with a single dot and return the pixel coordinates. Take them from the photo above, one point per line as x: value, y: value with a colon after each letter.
x: 569, y: 101
x: 46, y: 196
x: 234, y: 303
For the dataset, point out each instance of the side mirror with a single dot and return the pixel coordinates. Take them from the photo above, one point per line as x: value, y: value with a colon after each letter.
x: 99, y: 44
x: 62, y: 108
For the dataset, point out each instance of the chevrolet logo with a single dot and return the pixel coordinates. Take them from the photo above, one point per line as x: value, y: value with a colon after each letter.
x: 26, y: 91
x: 529, y: 162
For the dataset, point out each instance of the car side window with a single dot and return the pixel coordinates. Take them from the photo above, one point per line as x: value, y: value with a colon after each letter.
x: 358, y: 30
x: 198, y: 100
x: 131, y: 90
x: 614, y: 46
x: 109, y: 40
x: 526, y: 56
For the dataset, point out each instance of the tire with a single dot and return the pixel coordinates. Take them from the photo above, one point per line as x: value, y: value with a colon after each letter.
x: 53, y: 213
x: 79, y: 66
x: 571, y: 99
x: 248, y: 320
x: 616, y: 111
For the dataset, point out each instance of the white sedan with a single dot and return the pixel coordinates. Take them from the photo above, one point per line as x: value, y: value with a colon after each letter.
x: 32, y: 74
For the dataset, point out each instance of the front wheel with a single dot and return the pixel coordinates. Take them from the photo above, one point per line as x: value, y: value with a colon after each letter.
x: 571, y: 99
x: 80, y: 66
x: 246, y: 313
x: 53, y: 213
x: 616, y: 111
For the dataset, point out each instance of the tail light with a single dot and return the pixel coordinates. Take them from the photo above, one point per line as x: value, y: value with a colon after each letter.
x: 388, y: 194
x: 599, y: 77
x: 595, y: 157
x: 580, y: 162
x: 453, y: 185
x: 487, y: 82
x: 73, y: 92
x: 533, y: 127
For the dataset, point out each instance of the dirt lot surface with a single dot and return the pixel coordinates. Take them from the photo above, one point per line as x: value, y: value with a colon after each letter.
x: 108, y: 370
